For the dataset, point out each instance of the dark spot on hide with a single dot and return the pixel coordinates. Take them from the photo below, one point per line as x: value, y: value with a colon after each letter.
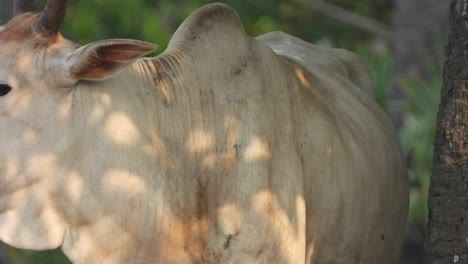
x: 259, y: 252
x: 163, y: 79
x: 240, y: 67
x: 236, y: 148
x: 236, y: 71
x: 201, y: 201
x: 211, y: 15
x: 228, y: 242
x: 163, y: 89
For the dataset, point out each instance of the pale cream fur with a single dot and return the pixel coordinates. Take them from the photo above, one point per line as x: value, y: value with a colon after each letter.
x: 224, y: 149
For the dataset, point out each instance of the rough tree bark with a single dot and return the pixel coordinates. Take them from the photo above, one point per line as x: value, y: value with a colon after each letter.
x: 447, y: 240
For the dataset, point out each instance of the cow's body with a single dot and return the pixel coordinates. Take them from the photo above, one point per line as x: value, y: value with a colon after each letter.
x: 225, y: 149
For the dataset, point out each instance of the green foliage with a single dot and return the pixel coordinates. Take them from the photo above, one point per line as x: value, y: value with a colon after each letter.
x: 422, y: 89
x: 417, y: 135
x: 155, y: 20
x: 380, y: 67
x: 33, y: 257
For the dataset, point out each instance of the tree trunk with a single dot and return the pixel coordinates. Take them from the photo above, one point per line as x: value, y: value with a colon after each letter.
x: 447, y: 240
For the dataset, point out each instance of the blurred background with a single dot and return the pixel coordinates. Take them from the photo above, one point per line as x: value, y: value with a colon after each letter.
x: 402, y: 42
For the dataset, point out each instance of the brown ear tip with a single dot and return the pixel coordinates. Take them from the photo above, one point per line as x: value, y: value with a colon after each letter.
x: 153, y: 47
x: 150, y: 47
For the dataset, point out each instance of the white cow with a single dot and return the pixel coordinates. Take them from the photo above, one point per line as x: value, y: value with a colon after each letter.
x: 224, y: 149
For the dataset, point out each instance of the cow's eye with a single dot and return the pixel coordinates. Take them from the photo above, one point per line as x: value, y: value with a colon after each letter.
x: 4, y: 89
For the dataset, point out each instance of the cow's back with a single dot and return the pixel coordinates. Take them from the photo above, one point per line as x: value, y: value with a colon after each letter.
x: 356, y: 186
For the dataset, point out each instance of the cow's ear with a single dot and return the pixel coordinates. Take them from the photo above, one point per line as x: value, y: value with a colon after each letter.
x: 103, y: 59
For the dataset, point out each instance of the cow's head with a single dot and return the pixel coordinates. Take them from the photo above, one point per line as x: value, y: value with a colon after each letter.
x: 31, y: 44
x: 39, y: 70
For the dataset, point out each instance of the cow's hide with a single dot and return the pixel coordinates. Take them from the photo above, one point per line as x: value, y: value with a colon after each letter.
x: 224, y: 149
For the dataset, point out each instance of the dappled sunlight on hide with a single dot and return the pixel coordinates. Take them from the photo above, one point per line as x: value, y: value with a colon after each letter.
x: 329, y: 152
x: 65, y: 108
x: 31, y: 223
x: 30, y: 136
x: 24, y: 63
x: 230, y: 217
x: 288, y: 233
x: 267, y: 202
x: 205, y: 145
x: 301, y: 75
x: 40, y: 164
x: 74, y: 188
x: 10, y: 170
x: 30, y: 219
x: 121, y: 130
x: 200, y: 140
x: 257, y: 149
x: 92, y: 238
x: 100, y: 108
x: 209, y: 161
x: 19, y: 105
x: 122, y: 182
x: 155, y: 146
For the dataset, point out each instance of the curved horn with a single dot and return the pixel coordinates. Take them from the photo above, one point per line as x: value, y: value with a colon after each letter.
x: 52, y: 17
x: 23, y: 6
